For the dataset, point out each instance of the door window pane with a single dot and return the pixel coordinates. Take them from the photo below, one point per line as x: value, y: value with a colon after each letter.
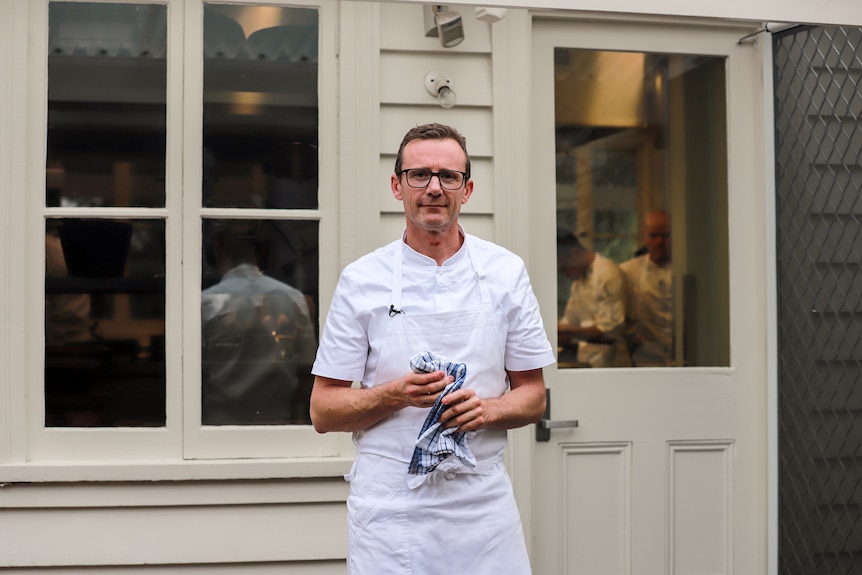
x: 641, y: 158
x: 260, y: 106
x: 258, y: 314
x: 107, y: 71
x: 104, y: 323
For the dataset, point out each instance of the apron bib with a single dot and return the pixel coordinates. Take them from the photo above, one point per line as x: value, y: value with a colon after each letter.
x: 457, y: 520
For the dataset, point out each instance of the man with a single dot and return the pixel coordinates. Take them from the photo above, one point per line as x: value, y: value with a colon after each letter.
x: 438, y: 290
x: 594, y: 318
x: 258, y: 340
x: 650, y: 295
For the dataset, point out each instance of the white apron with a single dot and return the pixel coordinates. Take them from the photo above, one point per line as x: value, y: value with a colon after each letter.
x: 458, y: 520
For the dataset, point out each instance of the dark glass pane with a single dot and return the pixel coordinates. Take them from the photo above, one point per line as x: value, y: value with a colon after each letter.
x: 104, y: 323
x: 260, y: 107
x: 107, y: 83
x: 259, y: 321
x: 638, y: 137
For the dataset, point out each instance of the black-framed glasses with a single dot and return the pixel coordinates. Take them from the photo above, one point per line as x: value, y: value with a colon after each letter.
x: 421, y: 177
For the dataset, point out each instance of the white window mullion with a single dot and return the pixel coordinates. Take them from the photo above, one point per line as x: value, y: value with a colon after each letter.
x: 191, y: 233
x: 175, y: 183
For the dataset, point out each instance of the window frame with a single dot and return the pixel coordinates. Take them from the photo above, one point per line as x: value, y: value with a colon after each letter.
x: 182, y: 440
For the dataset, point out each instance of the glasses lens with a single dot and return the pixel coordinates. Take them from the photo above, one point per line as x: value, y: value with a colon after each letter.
x: 418, y: 178
x: 449, y: 180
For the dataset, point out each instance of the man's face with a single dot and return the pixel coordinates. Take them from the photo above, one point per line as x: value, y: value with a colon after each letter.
x: 432, y: 209
x: 658, y: 238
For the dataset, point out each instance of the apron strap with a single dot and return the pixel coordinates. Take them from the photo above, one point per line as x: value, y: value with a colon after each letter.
x: 481, y: 280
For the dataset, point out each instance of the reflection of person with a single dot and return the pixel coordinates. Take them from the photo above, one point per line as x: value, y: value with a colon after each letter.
x: 67, y: 316
x: 650, y: 295
x: 258, y: 342
x: 594, y: 318
x: 465, y: 300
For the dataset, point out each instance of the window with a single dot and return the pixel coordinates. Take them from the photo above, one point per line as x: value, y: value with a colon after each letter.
x: 640, y: 159
x: 182, y: 220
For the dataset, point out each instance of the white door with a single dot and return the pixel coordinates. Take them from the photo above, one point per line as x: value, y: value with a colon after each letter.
x: 666, y: 471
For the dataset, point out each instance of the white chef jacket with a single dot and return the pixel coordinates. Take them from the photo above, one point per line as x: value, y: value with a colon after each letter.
x: 355, y: 322
x: 598, y: 299
x: 650, y: 311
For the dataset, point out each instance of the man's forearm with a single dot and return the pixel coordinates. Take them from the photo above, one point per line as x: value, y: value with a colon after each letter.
x: 336, y: 406
x: 522, y: 405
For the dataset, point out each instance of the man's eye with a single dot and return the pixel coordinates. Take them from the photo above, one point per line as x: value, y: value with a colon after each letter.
x: 450, y: 177
x: 420, y: 174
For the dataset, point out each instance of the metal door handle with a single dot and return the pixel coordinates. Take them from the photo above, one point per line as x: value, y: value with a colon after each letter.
x: 546, y: 424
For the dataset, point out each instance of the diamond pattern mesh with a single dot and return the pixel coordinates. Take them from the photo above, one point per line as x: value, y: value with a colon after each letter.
x: 818, y: 100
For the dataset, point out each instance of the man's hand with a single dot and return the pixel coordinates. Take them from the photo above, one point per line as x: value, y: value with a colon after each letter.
x: 522, y: 405
x: 465, y: 410
x: 423, y: 389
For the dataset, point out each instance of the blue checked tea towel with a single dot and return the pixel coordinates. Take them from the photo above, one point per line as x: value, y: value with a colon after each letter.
x: 436, y: 444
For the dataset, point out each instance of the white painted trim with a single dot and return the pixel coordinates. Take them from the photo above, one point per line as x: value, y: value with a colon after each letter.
x: 512, y: 202
x: 771, y: 297
x: 168, y: 470
x: 15, y: 226
x: 6, y: 188
x: 510, y: 69
x: 191, y: 494
x: 32, y: 223
x: 845, y: 12
x: 359, y: 153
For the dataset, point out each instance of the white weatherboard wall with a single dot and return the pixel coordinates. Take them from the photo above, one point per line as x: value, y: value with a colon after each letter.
x: 214, y: 527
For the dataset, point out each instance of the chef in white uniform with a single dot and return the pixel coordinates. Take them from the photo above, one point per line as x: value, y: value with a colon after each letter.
x: 440, y: 290
x: 649, y: 286
x: 595, y: 315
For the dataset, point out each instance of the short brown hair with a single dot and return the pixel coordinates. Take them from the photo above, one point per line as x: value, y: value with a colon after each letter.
x: 432, y: 132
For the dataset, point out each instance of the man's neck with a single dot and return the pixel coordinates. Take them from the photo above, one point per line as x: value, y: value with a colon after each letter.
x: 439, y: 246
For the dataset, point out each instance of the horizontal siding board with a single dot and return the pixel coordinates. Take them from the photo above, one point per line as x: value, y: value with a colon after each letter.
x: 836, y: 386
x: 476, y: 124
x: 402, y: 77
x: 481, y: 202
x: 833, y: 140
x: 173, y: 535
x: 403, y: 27
x: 336, y: 567
x: 167, y: 494
x: 832, y: 189
x: 836, y: 434
x: 835, y: 92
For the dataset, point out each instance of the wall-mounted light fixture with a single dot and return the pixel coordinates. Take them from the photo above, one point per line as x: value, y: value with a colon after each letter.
x: 443, y: 23
x: 439, y: 85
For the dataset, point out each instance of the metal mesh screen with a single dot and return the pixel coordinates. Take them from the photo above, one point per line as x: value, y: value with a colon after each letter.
x: 818, y: 98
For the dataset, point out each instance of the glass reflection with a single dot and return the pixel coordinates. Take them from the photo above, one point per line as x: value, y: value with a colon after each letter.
x: 104, y: 323
x: 107, y: 94
x: 258, y: 314
x: 260, y: 106
x: 640, y: 137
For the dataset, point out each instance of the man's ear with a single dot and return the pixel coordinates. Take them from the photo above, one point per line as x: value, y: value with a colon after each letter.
x: 395, y: 184
x: 468, y: 191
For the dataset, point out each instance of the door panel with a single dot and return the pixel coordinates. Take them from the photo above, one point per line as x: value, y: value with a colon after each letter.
x: 666, y: 471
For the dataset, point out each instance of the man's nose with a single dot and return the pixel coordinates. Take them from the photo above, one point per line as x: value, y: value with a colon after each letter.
x: 434, y: 185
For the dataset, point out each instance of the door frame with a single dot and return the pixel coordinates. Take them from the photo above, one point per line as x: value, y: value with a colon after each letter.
x: 759, y: 174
